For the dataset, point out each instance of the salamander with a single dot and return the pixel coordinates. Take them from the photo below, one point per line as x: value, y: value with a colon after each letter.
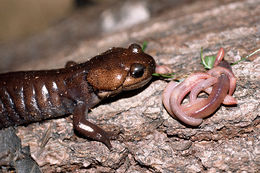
x: 33, y: 96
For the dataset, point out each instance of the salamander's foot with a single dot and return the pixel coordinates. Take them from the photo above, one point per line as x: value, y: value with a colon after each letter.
x: 106, y: 136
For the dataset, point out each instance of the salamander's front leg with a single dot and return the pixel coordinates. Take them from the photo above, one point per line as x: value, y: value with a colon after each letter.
x: 87, y: 128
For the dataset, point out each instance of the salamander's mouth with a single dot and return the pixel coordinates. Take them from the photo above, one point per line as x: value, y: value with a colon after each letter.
x: 137, y: 85
x: 104, y: 94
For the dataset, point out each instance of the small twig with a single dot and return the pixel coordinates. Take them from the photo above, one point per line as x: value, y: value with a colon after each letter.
x: 169, y: 75
x: 243, y: 59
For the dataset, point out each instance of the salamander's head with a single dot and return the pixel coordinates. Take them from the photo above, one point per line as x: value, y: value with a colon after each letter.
x: 120, y: 69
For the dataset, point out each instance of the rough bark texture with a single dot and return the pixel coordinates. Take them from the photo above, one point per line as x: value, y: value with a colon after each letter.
x: 150, y: 139
x: 12, y: 155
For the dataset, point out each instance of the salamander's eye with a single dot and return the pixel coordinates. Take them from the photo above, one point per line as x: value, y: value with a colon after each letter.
x: 135, y: 48
x: 137, y: 70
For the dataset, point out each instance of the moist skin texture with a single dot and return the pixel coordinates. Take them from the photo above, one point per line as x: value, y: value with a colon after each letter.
x: 219, y: 83
x: 30, y: 96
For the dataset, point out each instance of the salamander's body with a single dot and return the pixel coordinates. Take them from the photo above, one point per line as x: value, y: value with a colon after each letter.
x: 32, y: 96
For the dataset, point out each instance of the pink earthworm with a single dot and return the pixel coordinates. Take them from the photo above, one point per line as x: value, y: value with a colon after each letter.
x: 219, y: 83
x: 229, y: 100
x: 219, y: 57
x: 208, y: 105
x: 179, y: 92
x: 216, y: 71
x: 201, y: 86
